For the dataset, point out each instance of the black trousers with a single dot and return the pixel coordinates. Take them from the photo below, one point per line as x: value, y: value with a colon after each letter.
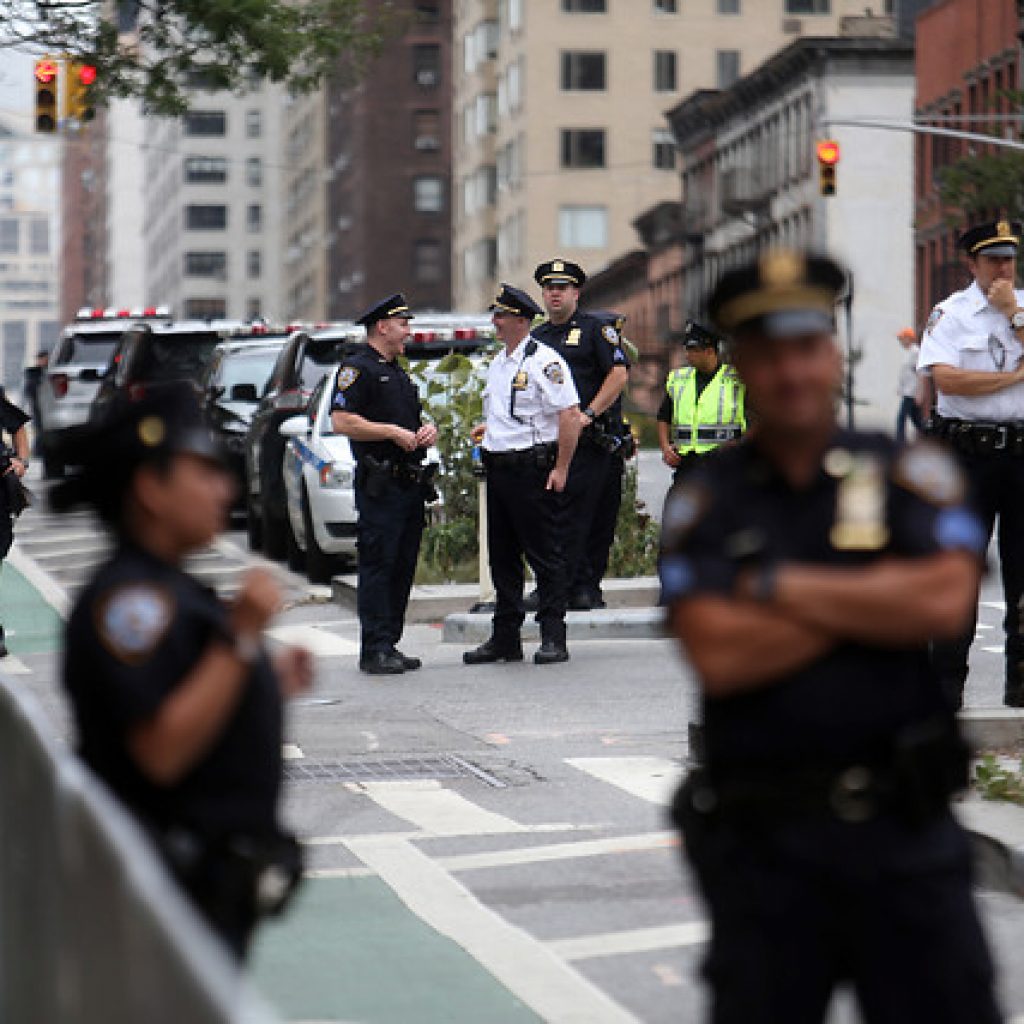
x: 998, y: 484
x: 601, y: 536
x: 586, y: 490
x: 388, y: 539
x: 523, y: 521
x: 798, y: 909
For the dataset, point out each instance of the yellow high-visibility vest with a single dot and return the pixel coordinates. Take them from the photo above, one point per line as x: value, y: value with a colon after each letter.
x: 699, y: 425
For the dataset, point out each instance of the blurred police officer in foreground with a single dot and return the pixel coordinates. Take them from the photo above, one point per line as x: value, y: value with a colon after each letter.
x: 528, y: 438
x: 703, y: 406
x: 591, y: 345
x: 805, y: 570
x: 177, y: 705
x: 13, y: 466
x: 972, y: 346
x: 377, y: 406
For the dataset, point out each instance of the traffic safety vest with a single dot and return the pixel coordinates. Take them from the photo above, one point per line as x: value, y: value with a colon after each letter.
x: 699, y: 425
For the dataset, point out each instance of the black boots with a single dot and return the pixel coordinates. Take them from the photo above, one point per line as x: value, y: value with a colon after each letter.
x: 552, y: 645
x: 494, y: 650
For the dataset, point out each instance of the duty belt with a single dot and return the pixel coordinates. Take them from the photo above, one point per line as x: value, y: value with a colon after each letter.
x: 974, y: 437
x: 540, y: 456
x: 706, y: 435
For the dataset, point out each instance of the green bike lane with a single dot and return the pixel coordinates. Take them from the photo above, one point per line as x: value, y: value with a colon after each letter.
x: 31, y: 624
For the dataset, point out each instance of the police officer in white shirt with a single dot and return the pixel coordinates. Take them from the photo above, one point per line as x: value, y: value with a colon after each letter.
x: 972, y: 346
x: 529, y: 434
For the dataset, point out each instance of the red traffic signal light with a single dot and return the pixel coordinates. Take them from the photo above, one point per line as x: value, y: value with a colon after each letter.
x: 86, y: 74
x: 828, y: 157
x: 80, y: 101
x: 828, y: 152
x: 45, y: 71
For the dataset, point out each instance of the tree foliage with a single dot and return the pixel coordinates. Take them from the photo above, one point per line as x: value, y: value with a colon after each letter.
x: 158, y: 50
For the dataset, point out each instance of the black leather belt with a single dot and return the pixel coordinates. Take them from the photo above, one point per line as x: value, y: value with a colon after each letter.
x: 541, y: 456
x: 976, y: 437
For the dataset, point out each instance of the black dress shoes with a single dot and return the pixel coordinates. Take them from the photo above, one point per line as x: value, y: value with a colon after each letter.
x: 551, y: 652
x: 490, y: 652
x: 409, y: 664
x: 382, y: 663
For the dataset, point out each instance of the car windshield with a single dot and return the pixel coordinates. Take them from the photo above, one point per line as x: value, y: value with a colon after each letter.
x: 246, y: 368
x: 174, y: 356
x: 320, y: 357
x: 87, y: 349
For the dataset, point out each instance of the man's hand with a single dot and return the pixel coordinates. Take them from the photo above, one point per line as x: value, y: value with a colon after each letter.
x: 294, y: 668
x: 405, y: 439
x: 1001, y: 295
x: 258, y: 601
x: 583, y: 419
x: 671, y: 457
x: 18, y: 468
x: 556, y: 480
x: 476, y: 435
x: 426, y: 435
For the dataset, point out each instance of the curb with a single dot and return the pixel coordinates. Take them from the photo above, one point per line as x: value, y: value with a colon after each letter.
x: 996, y: 832
x: 602, y: 624
x: 993, y: 728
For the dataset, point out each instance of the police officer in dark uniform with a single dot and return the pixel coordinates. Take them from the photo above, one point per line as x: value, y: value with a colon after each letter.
x: 805, y: 570
x: 377, y: 406
x: 178, y: 707
x: 591, y: 345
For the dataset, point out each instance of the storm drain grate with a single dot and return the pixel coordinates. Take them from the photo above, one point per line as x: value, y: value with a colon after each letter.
x: 446, y: 766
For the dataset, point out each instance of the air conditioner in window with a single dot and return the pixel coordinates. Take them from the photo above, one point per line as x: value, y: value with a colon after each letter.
x: 427, y: 142
x: 792, y: 26
x: 427, y: 76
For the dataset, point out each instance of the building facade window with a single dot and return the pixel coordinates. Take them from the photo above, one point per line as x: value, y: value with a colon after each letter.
x: 205, y: 309
x: 808, y: 6
x: 665, y: 6
x: 426, y: 65
x: 664, y: 149
x: 254, y: 217
x: 728, y: 6
x: 253, y: 264
x: 428, y: 264
x: 253, y: 309
x: 584, y: 6
x: 206, y: 218
x: 664, y: 71
x: 206, y: 264
x: 253, y: 124
x: 205, y: 123
x: 39, y: 236
x: 428, y: 194
x: 583, y: 227
x: 583, y: 147
x: 583, y: 70
x: 9, y: 235
x: 254, y: 171
x: 727, y: 68
x: 207, y: 170
x: 428, y: 12
x: 426, y: 130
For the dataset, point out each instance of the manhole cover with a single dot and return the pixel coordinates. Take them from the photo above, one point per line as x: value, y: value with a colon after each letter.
x: 446, y: 766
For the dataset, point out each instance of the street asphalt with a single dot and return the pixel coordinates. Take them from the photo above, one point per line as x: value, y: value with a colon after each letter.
x: 485, y: 844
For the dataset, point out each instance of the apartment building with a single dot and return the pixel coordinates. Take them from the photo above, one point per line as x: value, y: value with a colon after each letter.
x: 560, y: 135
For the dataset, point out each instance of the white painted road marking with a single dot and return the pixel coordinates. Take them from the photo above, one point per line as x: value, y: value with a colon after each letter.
x: 14, y: 666
x: 654, y: 779
x: 998, y: 605
x: 638, y: 940
x: 547, y: 984
x: 292, y: 752
x: 50, y: 591
x: 316, y: 641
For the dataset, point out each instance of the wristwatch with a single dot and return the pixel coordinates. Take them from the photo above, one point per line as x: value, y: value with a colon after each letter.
x: 1017, y: 320
x: 590, y: 414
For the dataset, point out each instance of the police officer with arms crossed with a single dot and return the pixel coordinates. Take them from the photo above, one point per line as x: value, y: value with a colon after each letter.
x: 703, y: 405
x: 591, y: 346
x: 176, y: 702
x: 528, y: 438
x: 377, y: 406
x: 805, y: 570
x: 972, y: 347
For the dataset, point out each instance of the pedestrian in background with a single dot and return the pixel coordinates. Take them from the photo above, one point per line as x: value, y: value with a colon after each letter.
x: 177, y: 705
x: 805, y: 570
x: 909, y: 387
x: 528, y: 439
x: 34, y: 376
x: 377, y: 406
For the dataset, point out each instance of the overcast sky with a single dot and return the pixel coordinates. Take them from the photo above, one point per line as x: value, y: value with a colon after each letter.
x: 16, y: 88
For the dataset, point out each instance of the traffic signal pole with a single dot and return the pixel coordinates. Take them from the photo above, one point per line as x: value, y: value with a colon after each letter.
x: 925, y: 129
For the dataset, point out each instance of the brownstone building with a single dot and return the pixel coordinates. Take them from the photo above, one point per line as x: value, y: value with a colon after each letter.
x: 389, y: 171
x: 967, y: 57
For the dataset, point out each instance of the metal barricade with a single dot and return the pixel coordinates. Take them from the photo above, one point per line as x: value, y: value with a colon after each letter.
x: 92, y: 929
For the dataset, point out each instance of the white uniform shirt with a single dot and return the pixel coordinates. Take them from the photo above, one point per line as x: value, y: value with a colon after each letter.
x: 965, y: 332
x: 543, y: 388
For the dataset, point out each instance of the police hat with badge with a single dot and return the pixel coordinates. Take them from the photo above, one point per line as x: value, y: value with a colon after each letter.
x: 783, y: 293
x: 514, y: 302
x: 994, y: 238
x: 697, y: 336
x: 393, y: 307
x: 559, y: 271
x: 148, y: 431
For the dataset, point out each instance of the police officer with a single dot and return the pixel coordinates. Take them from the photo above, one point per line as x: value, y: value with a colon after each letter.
x: 805, y: 570
x: 176, y: 702
x: 377, y: 406
x: 972, y: 348
x: 13, y: 466
x: 591, y: 346
x: 703, y: 405
x: 528, y: 438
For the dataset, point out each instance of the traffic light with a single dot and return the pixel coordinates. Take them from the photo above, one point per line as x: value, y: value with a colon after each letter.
x: 45, y: 78
x: 828, y: 159
x: 80, y: 89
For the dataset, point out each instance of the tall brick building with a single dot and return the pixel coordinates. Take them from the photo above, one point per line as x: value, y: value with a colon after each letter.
x: 967, y: 56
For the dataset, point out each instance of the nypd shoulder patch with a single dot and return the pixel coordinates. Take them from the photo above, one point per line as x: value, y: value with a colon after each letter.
x: 610, y: 334
x: 347, y: 376
x: 931, y: 473
x: 933, y: 318
x: 554, y: 373
x: 133, y: 619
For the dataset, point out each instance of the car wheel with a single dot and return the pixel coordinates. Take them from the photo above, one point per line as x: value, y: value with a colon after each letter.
x: 274, y: 533
x: 294, y: 555
x: 253, y: 526
x: 320, y: 566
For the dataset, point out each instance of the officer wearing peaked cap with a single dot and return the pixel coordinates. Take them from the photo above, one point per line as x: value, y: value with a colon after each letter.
x: 592, y: 348
x: 377, y: 406
x: 805, y: 569
x: 528, y: 438
x: 177, y: 706
x: 972, y: 348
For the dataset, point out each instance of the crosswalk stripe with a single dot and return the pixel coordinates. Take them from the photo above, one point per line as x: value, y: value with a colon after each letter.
x: 654, y: 779
x: 318, y: 641
x: 14, y: 666
x: 430, y: 807
x: 546, y: 983
x: 637, y: 940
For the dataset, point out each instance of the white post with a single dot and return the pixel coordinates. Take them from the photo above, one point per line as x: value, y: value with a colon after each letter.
x: 487, y: 595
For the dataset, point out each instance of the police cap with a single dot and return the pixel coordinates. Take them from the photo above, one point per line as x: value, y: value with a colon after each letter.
x: 995, y: 238
x: 393, y: 306
x: 516, y: 302
x: 559, y: 271
x: 783, y: 292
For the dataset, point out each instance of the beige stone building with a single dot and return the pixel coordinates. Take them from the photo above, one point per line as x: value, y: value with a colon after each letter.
x: 560, y: 136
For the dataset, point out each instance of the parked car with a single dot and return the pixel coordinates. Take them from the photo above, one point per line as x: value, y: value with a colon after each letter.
x: 230, y: 389
x: 72, y: 378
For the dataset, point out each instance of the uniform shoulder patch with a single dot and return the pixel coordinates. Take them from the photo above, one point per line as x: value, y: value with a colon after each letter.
x: 933, y: 318
x: 347, y: 376
x: 554, y: 372
x: 931, y: 473
x: 610, y: 334
x: 685, y: 507
x: 133, y: 619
